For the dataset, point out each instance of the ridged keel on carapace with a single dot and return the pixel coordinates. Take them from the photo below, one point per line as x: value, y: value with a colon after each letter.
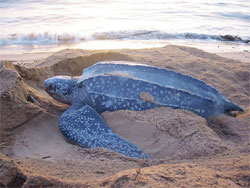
x: 165, y: 78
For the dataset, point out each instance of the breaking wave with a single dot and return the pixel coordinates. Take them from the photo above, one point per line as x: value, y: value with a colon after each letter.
x: 47, y: 38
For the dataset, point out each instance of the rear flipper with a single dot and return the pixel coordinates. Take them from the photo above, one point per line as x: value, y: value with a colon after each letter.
x: 230, y: 106
x: 85, y: 127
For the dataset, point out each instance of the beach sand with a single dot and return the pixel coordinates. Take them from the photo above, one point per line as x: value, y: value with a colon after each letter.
x: 186, y: 150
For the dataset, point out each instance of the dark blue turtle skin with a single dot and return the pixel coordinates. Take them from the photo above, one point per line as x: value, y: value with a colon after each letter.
x: 111, y: 86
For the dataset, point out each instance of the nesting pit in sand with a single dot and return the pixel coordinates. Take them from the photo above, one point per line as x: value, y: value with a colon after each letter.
x: 186, y: 149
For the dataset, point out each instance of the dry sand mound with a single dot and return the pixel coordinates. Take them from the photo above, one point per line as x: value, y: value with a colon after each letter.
x: 30, y: 134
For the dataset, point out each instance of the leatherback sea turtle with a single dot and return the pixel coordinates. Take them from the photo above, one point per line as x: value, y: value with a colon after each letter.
x: 111, y: 86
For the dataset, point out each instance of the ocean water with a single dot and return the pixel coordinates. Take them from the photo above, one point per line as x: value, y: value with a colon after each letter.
x: 45, y: 24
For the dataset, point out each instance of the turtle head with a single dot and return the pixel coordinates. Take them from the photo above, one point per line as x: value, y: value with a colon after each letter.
x: 61, y: 88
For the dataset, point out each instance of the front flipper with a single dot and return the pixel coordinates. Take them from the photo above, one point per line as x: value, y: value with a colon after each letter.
x: 85, y: 127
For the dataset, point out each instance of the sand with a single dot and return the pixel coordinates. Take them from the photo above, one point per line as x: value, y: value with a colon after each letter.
x: 186, y: 150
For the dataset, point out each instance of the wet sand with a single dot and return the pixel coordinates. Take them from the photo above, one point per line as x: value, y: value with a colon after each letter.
x: 186, y: 150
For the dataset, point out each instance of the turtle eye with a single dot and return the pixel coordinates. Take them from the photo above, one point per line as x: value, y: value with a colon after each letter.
x: 50, y: 87
x: 69, y: 92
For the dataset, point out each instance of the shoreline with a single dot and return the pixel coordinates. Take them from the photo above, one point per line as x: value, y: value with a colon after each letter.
x: 236, y: 51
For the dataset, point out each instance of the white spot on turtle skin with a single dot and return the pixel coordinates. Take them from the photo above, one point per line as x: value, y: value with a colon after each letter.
x: 107, y: 104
